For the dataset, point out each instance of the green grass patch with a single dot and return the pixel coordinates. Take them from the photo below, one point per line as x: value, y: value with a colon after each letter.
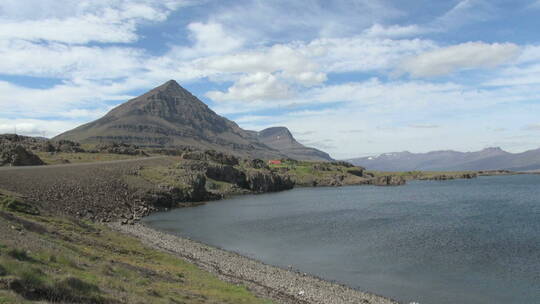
x: 161, y: 175
x: 83, y: 262
x: 9, y: 203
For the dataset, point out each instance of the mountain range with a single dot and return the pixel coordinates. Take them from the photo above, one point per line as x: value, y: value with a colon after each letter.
x: 170, y: 116
x: 486, y: 159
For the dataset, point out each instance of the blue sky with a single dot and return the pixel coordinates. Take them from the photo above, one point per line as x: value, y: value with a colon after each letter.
x: 350, y: 77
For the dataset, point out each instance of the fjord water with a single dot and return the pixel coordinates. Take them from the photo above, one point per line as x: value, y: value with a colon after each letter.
x: 461, y: 241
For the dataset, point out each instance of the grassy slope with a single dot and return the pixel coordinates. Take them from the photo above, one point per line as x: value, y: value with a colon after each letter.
x: 48, y: 258
x: 304, y: 173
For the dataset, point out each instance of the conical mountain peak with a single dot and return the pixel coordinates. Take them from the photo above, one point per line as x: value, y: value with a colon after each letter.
x: 170, y: 116
x: 170, y: 87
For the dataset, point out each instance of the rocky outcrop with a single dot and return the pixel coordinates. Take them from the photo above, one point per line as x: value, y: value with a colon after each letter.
x: 256, y: 164
x: 65, y: 146
x: 212, y: 156
x: 227, y: 173
x: 388, y: 180
x: 120, y: 148
x: 17, y: 155
x: 253, y: 175
x: 192, y: 191
x: 41, y: 144
x: 266, y: 181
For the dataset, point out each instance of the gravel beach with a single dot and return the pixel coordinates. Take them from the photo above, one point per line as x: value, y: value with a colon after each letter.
x: 281, y: 285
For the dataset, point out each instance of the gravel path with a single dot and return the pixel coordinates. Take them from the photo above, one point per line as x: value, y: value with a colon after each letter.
x: 282, y: 285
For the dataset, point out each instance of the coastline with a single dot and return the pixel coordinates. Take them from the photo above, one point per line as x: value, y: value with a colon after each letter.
x: 280, y: 285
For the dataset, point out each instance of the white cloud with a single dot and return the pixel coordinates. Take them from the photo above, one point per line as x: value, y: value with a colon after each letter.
x: 208, y: 39
x: 306, y: 64
x: 89, y: 114
x: 211, y: 38
x: 465, y: 12
x: 464, y: 56
x: 276, y: 58
x: 64, y: 61
x: 72, y: 30
x: 79, y: 22
x: 36, y: 127
x: 17, y: 101
x: 424, y: 126
x: 270, y: 21
x: 254, y: 87
x: 364, y: 54
x: 393, y: 31
x: 532, y: 127
x: 525, y: 70
x: 408, y: 116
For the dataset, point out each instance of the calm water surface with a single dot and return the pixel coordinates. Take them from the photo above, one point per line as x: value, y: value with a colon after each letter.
x: 462, y: 241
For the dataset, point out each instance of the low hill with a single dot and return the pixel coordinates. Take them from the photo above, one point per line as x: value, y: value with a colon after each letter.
x: 487, y: 159
x: 170, y: 116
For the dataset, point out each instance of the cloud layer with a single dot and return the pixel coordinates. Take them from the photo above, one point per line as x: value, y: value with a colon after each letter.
x: 352, y: 77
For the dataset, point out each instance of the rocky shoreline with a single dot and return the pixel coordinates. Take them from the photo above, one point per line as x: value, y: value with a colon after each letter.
x: 281, y: 285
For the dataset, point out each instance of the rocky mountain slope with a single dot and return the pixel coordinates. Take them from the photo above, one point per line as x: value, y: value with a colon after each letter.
x: 487, y: 159
x: 170, y: 116
x: 280, y: 138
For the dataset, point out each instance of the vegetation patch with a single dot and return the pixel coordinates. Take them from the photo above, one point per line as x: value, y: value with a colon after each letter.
x: 309, y: 173
x: 84, y: 262
x: 9, y: 203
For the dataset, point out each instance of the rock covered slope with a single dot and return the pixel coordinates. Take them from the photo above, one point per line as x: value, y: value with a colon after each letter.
x: 487, y: 159
x: 130, y: 189
x: 14, y: 150
x: 170, y: 116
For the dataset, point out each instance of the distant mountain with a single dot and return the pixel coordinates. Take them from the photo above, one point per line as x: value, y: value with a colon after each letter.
x: 280, y: 138
x: 170, y: 116
x: 487, y: 159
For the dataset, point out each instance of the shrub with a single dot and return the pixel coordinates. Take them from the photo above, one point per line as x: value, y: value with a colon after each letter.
x: 3, y: 271
x: 12, y: 204
x: 31, y: 278
x: 20, y: 255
